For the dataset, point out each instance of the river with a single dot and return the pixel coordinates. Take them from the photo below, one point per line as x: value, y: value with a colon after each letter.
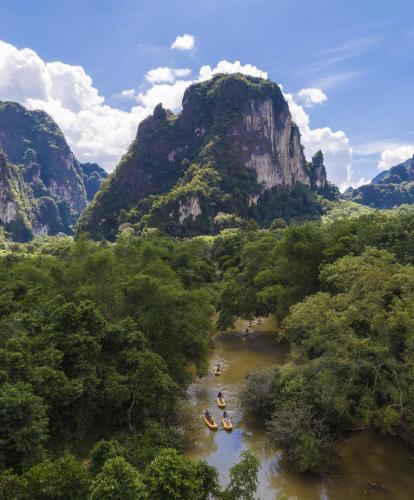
x: 375, y: 466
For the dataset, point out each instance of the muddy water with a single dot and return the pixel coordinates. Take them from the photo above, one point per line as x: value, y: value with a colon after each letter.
x: 374, y: 466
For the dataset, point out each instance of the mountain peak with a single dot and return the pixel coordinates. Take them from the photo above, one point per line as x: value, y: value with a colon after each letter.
x: 233, y: 146
x: 43, y: 188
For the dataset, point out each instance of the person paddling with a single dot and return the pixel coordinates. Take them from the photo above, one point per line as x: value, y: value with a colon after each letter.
x: 220, y: 395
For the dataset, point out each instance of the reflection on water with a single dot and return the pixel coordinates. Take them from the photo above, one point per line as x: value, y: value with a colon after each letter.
x: 375, y: 467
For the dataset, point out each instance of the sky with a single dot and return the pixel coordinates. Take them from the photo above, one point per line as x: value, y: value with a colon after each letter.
x: 100, y: 66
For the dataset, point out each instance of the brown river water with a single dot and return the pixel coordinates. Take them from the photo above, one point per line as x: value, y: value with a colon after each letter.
x: 375, y: 466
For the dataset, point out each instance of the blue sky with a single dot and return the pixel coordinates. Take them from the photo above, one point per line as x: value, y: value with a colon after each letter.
x: 360, y: 54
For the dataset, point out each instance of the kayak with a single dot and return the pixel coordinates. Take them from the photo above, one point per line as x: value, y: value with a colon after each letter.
x: 221, y: 403
x: 227, y: 424
x: 217, y: 371
x: 212, y: 425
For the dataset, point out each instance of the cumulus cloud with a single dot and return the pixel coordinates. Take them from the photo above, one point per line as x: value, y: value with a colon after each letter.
x: 166, y: 74
x: 126, y: 94
x: 184, y: 42
x: 395, y: 155
x: 227, y: 67
x: 99, y: 132
x: 94, y: 130
x: 170, y: 92
x: 334, y: 144
x: 170, y: 95
x: 311, y: 96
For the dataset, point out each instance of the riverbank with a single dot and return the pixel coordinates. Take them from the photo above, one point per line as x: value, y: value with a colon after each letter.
x: 373, y: 465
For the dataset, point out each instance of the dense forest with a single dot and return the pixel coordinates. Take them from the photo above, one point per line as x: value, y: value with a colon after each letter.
x: 99, y: 340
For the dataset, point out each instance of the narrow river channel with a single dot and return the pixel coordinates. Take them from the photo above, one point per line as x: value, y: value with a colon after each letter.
x: 374, y: 466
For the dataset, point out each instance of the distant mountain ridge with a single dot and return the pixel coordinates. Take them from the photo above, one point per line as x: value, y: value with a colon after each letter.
x: 233, y: 151
x: 388, y: 189
x: 43, y: 187
x: 403, y: 172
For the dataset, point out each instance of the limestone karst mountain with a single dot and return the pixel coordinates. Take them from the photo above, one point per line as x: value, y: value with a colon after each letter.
x: 42, y: 184
x: 388, y: 189
x: 233, y: 152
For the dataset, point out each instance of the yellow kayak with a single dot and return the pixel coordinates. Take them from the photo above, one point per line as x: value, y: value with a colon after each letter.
x: 227, y: 424
x: 217, y: 371
x: 212, y: 425
x: 221, y: 403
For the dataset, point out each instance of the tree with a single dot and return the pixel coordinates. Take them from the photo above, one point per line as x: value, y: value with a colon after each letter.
x: 261, y: 391
x: 23, y: 426
x: 12, y: 486
x: 172, y: 476
x: 62, y: 479
x: 118, y: 480
x: 103, y: 451
x: 303, y: 436
x: 243, y: 477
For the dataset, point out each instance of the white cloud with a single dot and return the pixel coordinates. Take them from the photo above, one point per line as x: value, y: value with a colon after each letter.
x: 334, y: 144
x: 170, y: 95
x: 182, y: 72
x: 311, y: 96
x: 184, y: 42
x: 166, y: 75
x: 126, y: 94
x: 331, y: 80
x: 95, y: 131
x: 395, y: 155
x: 207, y: 72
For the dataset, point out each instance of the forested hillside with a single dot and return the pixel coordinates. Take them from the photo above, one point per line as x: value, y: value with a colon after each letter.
x: 98, y: 342
x: 389, y: 189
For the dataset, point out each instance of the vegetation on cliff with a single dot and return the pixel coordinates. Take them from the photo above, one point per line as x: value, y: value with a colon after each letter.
x: 236, y: 133
x: 389, y: 189
x: 43, y: 186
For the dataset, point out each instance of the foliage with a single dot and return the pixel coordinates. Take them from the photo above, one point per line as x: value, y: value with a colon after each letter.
x: 384, y: 195
x: 268, y: 272
x: 61, y: 479
x: 97, y: 340
x: 243, y: 478
x: 24, y: 424
x: 351, y: 353
x: 118, y: 480
x: 42, y: 185
x: 303, y: 436
x: 261, y: 389
x: 103, y: 451
x: 173, y: 476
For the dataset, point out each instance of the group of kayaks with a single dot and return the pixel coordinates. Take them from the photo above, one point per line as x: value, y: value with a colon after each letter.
x: 221, y: 403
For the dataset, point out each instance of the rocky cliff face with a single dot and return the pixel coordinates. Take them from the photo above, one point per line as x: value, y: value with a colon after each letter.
x: 15, y: 210
x: 388, y: 189
x: 93, y: 175
x: 233, y: 141
x: 42, y: 173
